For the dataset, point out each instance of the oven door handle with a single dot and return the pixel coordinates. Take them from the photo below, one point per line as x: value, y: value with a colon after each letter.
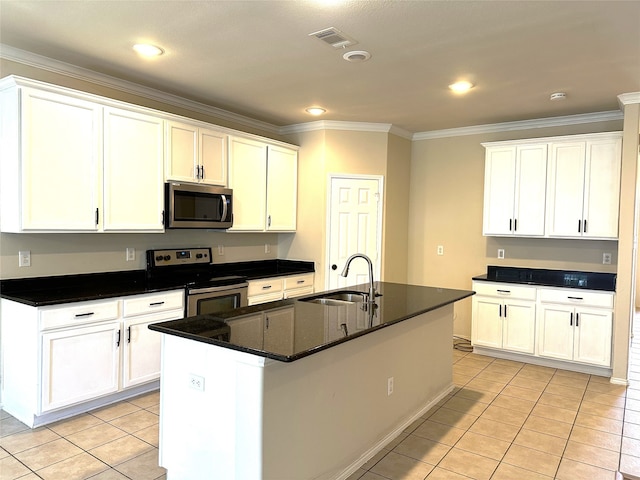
x: 195, y: 291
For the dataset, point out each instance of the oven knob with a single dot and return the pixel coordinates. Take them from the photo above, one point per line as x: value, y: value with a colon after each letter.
x: 158, y: 258
x: 198, y: 255
x: 167, y: 257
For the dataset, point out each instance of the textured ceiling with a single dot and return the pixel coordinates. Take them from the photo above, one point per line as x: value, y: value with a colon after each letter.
x: 255, y: 58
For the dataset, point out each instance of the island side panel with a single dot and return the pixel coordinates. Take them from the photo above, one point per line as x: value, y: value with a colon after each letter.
x: 212, y: 429
x: 324, y: 414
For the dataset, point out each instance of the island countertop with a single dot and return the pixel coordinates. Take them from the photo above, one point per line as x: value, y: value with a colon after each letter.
x: 288, y: 330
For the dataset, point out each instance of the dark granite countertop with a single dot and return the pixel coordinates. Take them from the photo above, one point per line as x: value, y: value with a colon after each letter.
x: 54, y: 290
x: 310, y: 327
x: 550, y: 278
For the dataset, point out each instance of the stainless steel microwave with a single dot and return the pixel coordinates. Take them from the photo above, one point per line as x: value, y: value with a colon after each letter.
x: 198, y: 206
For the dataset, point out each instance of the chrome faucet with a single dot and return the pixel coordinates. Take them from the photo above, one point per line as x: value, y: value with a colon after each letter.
x: 345, y: 272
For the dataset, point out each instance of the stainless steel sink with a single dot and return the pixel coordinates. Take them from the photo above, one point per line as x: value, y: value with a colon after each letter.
x: 338, y: 299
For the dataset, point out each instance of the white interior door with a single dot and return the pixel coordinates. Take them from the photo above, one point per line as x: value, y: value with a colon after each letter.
x: 355, y: 223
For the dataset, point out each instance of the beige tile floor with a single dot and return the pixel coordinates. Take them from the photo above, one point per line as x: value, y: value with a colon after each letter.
x: 504, y: 421
x: 111, y: 443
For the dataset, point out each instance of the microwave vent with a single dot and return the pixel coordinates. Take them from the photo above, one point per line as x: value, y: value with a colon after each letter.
x: 334, y: 37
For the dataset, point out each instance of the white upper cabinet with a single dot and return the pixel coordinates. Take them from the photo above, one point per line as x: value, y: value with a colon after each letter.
x: 282, y: 188
x: 133, y: 188
x: 264, y: 180
x: 584, y: 188
x: 70, y: 164
x: 562, y: 187
x: 50, y: 162
x: 196, y: 153
x: 514, y: 190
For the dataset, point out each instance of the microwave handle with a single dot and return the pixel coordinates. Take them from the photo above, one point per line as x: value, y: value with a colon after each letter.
x: 224, y: 207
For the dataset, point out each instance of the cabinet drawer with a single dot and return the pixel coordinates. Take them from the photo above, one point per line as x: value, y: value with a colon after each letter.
x: 78, y: 313
x: 267, y: 285
x: 505, y: 290
x: 298, y: 281
x: 153, y: 302
x: 576, y: 297
x: 298, y: 292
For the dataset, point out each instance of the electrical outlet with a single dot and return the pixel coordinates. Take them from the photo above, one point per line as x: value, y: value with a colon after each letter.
x: 131, y: 254
x: 267, y: 248
x: 24, y: 258
x: 606, y: 258
x: 389, y: 386
x: 501, y: 253
x: 220, y: 250
x: 196, y: 382
x: 440, y: 250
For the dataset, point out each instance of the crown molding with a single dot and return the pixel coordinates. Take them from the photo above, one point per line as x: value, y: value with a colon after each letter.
x: 345, y: 126
x: 522, y: 125
x: 55, y: 66
x: 628, y: 98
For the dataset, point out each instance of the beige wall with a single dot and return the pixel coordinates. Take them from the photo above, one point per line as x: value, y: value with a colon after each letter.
x: 324, y: 152
x: 624, y: 307
x: 446, y: 197
x: 396, y: 210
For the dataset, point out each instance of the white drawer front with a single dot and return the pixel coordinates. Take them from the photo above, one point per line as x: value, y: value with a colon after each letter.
x: 79, y: 313
x: 506, y: 290
x: 298, y: 281
x: 153, y: 302
x: 576, y: 297
x: 261, y: 287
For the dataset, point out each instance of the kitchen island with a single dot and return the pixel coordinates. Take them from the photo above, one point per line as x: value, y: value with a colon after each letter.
x: 298, y: 389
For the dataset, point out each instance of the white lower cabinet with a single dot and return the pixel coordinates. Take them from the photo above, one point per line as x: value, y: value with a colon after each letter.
x: 563, y: 324
x: 577, y: 328
x: 80, y: 352
x: 504, y: 317
x: 79, y: 364
x: 277, y: 288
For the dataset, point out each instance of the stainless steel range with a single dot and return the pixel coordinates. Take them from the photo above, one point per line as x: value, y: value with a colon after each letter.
x: 205, y: 291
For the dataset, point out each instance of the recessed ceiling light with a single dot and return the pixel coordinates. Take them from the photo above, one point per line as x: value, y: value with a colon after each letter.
x: 315, y: 110
x: 461, y: 87
x: 148, y: 50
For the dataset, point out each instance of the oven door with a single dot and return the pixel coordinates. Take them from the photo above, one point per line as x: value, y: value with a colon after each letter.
x: 201, y: 301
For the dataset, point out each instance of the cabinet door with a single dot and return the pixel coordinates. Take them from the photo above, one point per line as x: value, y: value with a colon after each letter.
x: 499, y: 190
x: 531, y: 182
x: 133, y: 180
x: 566, y: 189
x: 213, y: 157
x: 282, y: 189
x: 248, y: 179
x: 555, y: 332
x: 278, y: 331
x: 602, y: 188
x: 61, y: 160
x: 487, y: 323
x: 141, y: 350
x: 79, y: 364
x: 518, y: 328
x: 182, y: 152
x: 593, y: 337
x: 248, y: 331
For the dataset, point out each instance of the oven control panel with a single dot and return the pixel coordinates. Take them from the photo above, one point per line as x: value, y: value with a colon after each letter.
x: 173, y: 256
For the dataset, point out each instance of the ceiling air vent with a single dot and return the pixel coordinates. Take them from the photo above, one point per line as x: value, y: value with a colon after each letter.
x: 334, y: 37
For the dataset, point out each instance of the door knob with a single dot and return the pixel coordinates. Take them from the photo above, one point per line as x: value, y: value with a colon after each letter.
x: 334, y: 267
